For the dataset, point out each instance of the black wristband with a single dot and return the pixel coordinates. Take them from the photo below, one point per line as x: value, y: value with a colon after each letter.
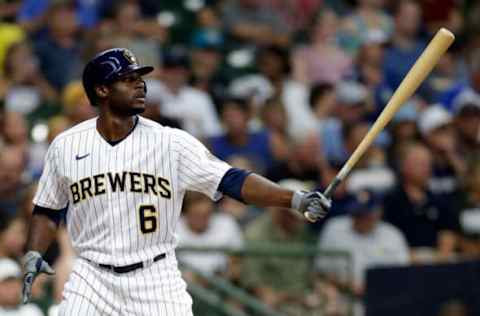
x: 55, y: 215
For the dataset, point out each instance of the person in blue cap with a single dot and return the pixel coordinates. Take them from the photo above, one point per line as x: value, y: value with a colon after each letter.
x: 370, y: 242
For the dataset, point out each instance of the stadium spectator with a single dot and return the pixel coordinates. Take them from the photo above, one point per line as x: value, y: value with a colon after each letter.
x: 443, y: 13
x: 252, y: 23
x: 405, y: 46
x: 60, y: 46
x: 238, y: 140
x: 279, y: 282
x: 370, y: 59
x: 449, y: 77
x: 449, y: 167
x: 76, y: 106
x: 370, y: 241
x: 426, y: 220
x: 200, y: 226
x: 470, y: 212
x: 139, y: 34
x: 372, y: 171
x: 402, y: 131
x: 153, y: 101
x: 209, y: 29
x: 10, y: 33
x: 274, y: 119
x: 304, y: 162
x: 193, y: 108
x: 463, y: 91
x: 26, y: 205
x: 272, y: 63
x: 56, y: 125
x: 297, y: 14
x: 25, y: 86
x: 15, y: 130
x: 12, y: 160
x: 274, y: 80
x: 206, y: 55
x: 467, y: 126
x: 368, y: 17
x: 322, y: 60
x: 95, y: 42
x: 322, y: 101
x: 13, y: 235
x: 32, y: 14
x: 10, y: 291
x: 369, y: 71
x: 242, y: 213
x: 352, y: 104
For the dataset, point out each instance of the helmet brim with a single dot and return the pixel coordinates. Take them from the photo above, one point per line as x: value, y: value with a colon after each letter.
x: 141, y: 70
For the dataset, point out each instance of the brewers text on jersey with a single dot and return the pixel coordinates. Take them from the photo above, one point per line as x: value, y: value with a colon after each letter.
x: 133, y: 181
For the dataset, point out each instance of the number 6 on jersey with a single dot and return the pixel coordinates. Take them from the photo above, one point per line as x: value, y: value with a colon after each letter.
x: 148, y: 218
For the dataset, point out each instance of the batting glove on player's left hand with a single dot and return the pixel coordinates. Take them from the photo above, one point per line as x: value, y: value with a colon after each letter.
x: 313, y: 205
x: 33, y: 264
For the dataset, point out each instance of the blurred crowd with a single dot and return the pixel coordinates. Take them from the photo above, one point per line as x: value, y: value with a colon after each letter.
x: 285, y: 88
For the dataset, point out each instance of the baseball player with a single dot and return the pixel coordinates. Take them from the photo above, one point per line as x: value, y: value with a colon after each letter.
x: 122, y: 179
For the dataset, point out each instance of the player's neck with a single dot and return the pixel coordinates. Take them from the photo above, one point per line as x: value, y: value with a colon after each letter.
x: 114, y: 128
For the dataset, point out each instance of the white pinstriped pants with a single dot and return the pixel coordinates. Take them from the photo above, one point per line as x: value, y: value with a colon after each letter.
x: 155, y: 290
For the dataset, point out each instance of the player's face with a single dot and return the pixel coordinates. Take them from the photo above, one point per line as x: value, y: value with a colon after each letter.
x: 127, y: 95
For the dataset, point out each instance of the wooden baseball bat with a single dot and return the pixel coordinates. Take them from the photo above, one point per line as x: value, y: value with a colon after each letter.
x: 415, y: 76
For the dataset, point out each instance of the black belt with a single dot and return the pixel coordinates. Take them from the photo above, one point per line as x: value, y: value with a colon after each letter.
x: 130, y: 267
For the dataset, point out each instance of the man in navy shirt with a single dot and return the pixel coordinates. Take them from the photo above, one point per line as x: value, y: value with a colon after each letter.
x: 424, y: 218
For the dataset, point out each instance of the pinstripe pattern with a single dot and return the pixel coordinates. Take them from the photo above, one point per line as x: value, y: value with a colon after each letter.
x: 90, y: 291
x: 107, y: 227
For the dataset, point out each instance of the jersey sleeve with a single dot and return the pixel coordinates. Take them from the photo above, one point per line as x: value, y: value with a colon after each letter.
x: 198, y: 169
x: 51, y: 192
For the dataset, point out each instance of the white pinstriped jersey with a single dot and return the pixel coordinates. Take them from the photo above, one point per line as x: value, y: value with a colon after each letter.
x: 124, y: 201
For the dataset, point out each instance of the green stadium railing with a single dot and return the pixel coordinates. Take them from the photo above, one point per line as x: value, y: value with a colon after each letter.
x: 212, y: 300
x: 223, y: 286
x: 228, y: 289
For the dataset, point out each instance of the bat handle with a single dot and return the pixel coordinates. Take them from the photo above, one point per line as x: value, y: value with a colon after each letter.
x: 331, y: 187
x: 342, y: 174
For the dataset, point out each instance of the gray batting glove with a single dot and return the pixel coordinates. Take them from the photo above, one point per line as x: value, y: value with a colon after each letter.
x: 313, y: 205
x: 33, y: 264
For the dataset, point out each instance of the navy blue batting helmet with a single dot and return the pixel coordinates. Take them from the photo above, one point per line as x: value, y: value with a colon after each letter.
x: 109, y: 66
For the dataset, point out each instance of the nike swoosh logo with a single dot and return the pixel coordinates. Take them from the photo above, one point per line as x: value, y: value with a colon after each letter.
x: 81, y: 157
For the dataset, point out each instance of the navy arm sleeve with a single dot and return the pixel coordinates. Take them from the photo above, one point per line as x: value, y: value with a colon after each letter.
x: 55, y: 215
x: 232, y: 182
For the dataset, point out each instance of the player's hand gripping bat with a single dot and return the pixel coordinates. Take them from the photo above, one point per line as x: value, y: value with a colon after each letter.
x: 416, y: 75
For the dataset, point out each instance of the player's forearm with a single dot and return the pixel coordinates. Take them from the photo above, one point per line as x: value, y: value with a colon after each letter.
x: 42, y: 232
x: 262, y: 192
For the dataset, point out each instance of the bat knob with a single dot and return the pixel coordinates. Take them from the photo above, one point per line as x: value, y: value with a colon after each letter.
x: 309, y: 217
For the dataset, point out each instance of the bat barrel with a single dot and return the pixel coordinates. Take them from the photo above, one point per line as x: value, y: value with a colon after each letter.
x: 416, y: 75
